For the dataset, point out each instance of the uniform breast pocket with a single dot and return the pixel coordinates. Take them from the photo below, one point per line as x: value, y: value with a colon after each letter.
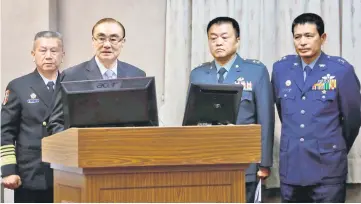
x: 288, y: 101
x: 34, y: 110
x: 324, y: 102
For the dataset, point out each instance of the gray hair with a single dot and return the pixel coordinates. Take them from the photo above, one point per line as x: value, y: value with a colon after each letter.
x: 49, y: 34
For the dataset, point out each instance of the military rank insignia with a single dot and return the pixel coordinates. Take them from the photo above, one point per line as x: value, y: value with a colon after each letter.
x: 247, y: 85
x: 6, y: 98
x: 327, y: 82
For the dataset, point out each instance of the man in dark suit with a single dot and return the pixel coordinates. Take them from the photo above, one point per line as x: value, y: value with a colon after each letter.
x: 108, y: 40
x: 318, y: 101
x: 26, y: 103
x: 257, y: 102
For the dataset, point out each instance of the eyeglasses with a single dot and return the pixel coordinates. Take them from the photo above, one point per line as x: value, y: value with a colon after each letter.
x: 112, y: 40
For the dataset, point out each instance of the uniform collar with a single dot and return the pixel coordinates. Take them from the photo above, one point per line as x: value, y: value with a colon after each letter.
x: 228, y: 65
x: 312, y: 64
x: 46, y: 80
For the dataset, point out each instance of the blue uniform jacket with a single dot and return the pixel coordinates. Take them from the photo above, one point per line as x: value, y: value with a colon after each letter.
x: 257, y: 106
x: 320, y: 119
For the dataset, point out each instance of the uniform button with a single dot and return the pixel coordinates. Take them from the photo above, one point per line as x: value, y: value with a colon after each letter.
x: 302, y: 125
x: 303, y: 97
x: 302, y: 139
x: 303, y: 112
x: 44, y: 123
x: 334, y: 146
x: 285, y: 95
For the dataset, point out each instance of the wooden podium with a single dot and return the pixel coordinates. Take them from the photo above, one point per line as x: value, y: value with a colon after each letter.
x: 152, y: 164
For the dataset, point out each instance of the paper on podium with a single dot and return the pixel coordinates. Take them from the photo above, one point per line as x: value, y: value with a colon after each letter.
x: 258, y: 194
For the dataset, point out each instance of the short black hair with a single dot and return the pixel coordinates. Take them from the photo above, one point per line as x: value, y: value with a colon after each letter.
x: 310, y: 18
x: 224, y: 19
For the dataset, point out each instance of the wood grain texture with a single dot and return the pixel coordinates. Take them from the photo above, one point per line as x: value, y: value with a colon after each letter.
x: 68, y: 187
x: 186, y: 186
x: 154, y: 146
x: 152, y: 164
x: 152, y: 169
x: 69, y: 194
x: 213, y: 194
x: 63, y: 143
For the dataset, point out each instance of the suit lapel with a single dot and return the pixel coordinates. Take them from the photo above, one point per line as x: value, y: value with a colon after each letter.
x: 92, y: 70
x: 297, y: 73
x: 121, y: 70
x: 57, y: 88
x: 57, y: 84
x: 40, y: 89
x: 212, y: 74
x: 316, y: 73
x: 235, y: 71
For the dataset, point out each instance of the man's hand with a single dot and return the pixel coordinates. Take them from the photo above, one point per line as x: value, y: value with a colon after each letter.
x: 263, y: 173
x: 12, y: 181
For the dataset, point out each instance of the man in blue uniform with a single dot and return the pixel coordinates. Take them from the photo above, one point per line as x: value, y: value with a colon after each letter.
x: 257, y: 100
x: 318, y: 102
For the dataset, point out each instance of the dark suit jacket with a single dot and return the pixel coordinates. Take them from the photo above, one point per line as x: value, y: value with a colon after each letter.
x: 22, y: 119
x: 88, y: 70
x: 256, y: 104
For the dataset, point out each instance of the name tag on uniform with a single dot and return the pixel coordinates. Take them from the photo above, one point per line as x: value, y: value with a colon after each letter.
x: 33, y: 98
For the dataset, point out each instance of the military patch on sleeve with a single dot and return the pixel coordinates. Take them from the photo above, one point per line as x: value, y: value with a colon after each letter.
x: 7, y: 153
x: 6, y: 98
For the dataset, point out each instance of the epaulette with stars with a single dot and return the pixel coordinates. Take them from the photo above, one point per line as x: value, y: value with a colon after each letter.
x: 287, y: 57
x: 338, y: 60
x: 204, y: 64
x: 254, y: 61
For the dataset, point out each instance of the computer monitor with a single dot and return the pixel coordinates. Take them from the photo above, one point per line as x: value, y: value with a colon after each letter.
x: 212, y: 104
x: 119, y: 102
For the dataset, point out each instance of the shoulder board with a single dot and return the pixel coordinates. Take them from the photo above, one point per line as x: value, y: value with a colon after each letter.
x: 253, y: 61
x: 338, y: 60
x: 287, y: 58
x: 204, y: 64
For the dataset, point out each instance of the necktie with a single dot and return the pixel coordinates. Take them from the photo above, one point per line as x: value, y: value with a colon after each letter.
x: 109, y: 74
x: 307, y: 72
x: 50, y: 86
x: 221, y: 72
